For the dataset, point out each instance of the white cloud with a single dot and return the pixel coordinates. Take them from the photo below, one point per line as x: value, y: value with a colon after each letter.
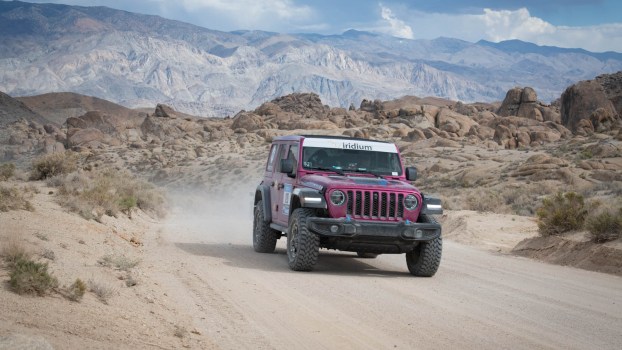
x: 503, y: 25
x: 518, y: 24
x: 396, y: 27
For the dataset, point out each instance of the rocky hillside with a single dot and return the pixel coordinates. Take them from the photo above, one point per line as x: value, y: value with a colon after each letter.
x: 137, y: 61
x: 496, y: 148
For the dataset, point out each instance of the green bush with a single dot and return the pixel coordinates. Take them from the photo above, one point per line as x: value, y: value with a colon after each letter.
x: 30, y: 277
x: 604, y: 225
x: 561, y: 213
x: 7, y: 171
x: 54, y: 164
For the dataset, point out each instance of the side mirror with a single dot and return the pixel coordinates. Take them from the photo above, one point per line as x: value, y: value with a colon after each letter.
x: 287, y: 167
x: 411, y: 173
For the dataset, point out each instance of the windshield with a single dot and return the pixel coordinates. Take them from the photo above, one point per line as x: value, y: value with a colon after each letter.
x: 344, y: 160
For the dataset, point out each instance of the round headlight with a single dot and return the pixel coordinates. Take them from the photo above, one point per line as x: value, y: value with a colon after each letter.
x: 411, y: 202
x: 337, y: 197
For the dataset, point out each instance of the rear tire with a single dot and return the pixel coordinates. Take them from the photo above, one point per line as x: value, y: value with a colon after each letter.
x: 303, y: 246
x: 424, y: 260
x: 264, y: 237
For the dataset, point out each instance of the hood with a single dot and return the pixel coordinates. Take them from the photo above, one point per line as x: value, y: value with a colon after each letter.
x: 354, y: 182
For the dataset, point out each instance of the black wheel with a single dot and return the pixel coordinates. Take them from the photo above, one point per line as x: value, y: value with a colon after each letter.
x: 424, y: 260
x: 264, y: 237
x: 303, y: 246
x: 366, y: 255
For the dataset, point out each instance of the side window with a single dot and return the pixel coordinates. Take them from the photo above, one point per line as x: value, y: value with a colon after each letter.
x: 273, y: 150
x: 282, y: 155
x: 293, y: 155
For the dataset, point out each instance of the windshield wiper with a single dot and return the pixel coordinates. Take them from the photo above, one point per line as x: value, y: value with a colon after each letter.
x: 338, y: 171
x: 365, y: 171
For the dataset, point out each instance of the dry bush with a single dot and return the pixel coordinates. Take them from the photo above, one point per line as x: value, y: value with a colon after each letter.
x: 14, y: 250
x: 13, y: 198
x: 118, y: 261
x: 604, y: 224
x: 561, y: 213
x: 30, y: 277
x: 7, y: 171
x: 53, y: 164
x: 103, y: 291
x: 93, y: 194
x: 76, y: 291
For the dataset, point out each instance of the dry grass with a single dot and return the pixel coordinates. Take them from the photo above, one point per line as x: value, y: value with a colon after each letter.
x: 53, y: 164
x: 118, y: 261
x: 14, y: 198
x: 103, y: 291
x: 485, y: 201
x: 14, y: 250
x: 107, y: 192
x: 7, y: 171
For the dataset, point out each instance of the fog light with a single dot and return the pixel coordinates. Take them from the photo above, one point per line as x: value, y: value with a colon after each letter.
x: 418, y: 233
x: 334, y: 229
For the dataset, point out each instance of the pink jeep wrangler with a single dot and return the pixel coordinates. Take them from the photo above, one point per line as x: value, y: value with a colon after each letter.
x: 346, y: 194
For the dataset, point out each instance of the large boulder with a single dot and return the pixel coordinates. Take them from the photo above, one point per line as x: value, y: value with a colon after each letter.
x: 248, y: 121
x: 304, y: 104
x: 586, y: 103
x: 612, y: 85
x: 521, y: 103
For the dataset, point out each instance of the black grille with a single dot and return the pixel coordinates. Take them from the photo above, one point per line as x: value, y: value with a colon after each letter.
x: 375, y: 205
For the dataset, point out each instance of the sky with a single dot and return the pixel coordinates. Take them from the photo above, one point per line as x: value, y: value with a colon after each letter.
x: 594, y: 25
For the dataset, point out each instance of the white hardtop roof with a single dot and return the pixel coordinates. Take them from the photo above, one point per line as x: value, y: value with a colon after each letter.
x: 354, y: 144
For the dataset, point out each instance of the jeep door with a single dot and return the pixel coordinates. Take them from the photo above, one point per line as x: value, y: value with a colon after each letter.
x: 285, y: 184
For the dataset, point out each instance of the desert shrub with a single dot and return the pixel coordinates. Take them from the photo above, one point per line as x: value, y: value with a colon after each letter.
x: 13, y: 250
x: 13, y: 198
x: 93, y: 194
x: 53, y: 164
x: 76, y: 290
x: 7, y: 171
x: 30, y: 277
x: 103, y: 291
x: 604, y: 225
x: 118, y: 261
x: 561, y: 213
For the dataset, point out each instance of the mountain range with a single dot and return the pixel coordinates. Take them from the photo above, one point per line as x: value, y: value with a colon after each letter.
x: 140, y: 60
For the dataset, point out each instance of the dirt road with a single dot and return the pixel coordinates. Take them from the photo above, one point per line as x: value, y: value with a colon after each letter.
x: 241, y: 299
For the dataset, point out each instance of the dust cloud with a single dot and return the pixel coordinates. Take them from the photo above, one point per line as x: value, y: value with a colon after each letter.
x: 207, y: 217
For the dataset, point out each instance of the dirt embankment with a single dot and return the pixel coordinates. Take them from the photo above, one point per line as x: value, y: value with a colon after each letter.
x: 200, y: 285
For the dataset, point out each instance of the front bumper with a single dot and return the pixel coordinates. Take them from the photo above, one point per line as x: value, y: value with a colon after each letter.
x: 352, y: 230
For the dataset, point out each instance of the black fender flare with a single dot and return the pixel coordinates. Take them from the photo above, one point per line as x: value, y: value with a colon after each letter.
x: 263, y: 194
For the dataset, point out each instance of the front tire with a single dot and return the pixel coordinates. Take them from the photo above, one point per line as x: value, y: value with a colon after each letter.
x: 303, y: 246
x: 264, y: 237
x: 424, y: 260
